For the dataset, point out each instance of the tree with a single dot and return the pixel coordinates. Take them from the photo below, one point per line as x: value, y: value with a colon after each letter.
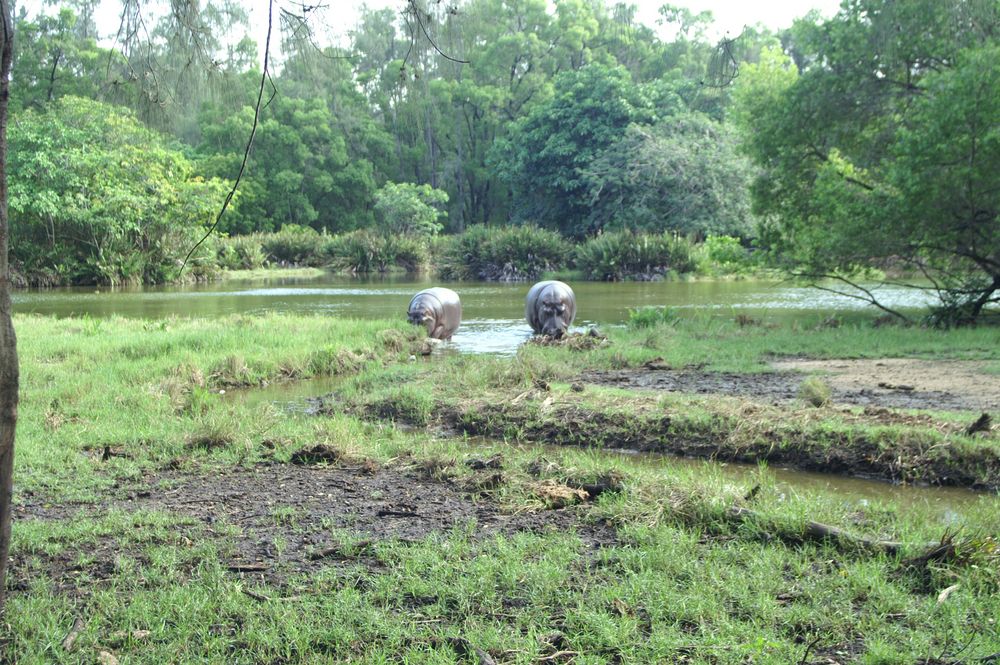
x: 8, y: 341
x: 101, y: 199
x: 548, y: 151
x: 884, y: 149
x: 683, y: 174
x: 55, y: 56
x: 410, y: 209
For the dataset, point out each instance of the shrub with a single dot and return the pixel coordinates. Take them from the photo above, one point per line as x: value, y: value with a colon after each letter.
x: 648, y: 317
x: 293, y: 244
x: 814, y: 391
x: 367, y: 251
x: 509, y: 254
x: 625, y: 255
x: 241, y: 253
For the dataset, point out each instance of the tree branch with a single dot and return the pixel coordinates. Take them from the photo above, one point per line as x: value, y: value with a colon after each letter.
x: 868, y: 296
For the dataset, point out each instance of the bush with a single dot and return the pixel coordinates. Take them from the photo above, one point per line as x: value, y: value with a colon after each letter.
x: 367, y: 251
x: 293, y: 245
x: 507, y: 254
x: 101, y: 199
x: 625, y: 255
x: 649, y: 317
x: 723, y: 255
x: 815, y: 392
x: 241, y: 253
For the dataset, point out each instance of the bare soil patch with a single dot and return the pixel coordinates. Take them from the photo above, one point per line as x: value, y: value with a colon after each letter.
x: 291, y: 519
x: 940, y: 384
x: 890, y: 383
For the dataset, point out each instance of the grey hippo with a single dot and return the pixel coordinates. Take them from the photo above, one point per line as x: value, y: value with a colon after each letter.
x: 550, y: 308
x: 437, y: 309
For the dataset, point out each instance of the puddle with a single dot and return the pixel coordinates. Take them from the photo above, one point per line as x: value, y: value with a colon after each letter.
x: 294, y: 397
x: 946, y: 503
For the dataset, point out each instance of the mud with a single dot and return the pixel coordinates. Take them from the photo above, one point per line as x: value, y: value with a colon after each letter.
x: 288, y: 519
x: 886, y: 383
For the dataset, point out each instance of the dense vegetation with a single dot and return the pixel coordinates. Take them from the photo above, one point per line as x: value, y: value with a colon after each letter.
x: 833, y: 147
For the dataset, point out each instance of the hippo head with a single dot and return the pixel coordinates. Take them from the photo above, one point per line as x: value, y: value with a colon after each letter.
x: 552, y: 316
x: 421, y: 315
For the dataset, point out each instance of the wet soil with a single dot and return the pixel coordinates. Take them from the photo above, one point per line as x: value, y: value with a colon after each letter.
x: 887, y: 383
x: 288, y: 519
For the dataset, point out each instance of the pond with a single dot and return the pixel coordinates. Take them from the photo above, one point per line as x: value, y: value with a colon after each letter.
x: 493, y: 313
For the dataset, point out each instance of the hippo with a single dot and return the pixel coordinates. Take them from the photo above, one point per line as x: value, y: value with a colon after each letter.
x: 550, y: 308
x: 437, y: 309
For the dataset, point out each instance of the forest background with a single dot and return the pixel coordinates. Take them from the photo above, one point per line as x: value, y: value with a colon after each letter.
x: 494, y: 139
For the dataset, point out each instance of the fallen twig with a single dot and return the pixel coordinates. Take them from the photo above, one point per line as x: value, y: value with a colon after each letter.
x: 256, y: 596
x: 827, y: 532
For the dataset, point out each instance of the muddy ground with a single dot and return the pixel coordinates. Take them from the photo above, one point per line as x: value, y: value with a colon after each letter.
x: 891, y: 383
x: 305, y: 509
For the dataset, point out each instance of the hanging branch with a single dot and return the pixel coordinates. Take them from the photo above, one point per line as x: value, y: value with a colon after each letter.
x: 413, y: 9
x: 264, y: 78
x: 724, y: 66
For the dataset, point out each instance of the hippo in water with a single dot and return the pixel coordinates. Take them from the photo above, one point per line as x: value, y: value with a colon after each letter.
x: 550, y: 308
x: 437, y: 309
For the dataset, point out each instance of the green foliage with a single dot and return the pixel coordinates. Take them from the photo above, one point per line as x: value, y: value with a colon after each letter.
x: 301, y: 172
x: 293, y: 245
x: 725, y: 255
x: 883, y: 150
x: 649, y: 317
x: 549, y: 149
x: 367, y: 251
x: 502, y: 254
x: 98, y: 198
x: 683, y: 174
x: 624, y: 255
x: 55, y: 56
x: 408, y: 209
x: 241, y: 253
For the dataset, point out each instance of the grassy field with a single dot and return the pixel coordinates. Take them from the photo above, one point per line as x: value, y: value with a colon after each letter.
x: 161, y: 516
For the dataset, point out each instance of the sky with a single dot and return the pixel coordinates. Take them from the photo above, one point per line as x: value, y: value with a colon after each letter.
x: 730, y: 15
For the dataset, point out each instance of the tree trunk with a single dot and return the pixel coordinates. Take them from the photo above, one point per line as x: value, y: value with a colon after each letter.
x: 8, y: 343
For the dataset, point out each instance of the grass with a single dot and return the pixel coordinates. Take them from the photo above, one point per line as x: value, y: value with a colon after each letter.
x: 653, y: 570
x: 271, y: 273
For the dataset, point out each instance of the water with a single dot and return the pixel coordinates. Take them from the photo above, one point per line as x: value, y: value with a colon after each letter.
x: 493, y: 314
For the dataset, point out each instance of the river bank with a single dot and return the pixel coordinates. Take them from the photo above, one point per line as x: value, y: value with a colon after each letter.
x: 177, y: 523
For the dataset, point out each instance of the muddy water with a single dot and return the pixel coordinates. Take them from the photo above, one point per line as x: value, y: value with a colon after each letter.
x: 493, y: 320
x: 948, y: 502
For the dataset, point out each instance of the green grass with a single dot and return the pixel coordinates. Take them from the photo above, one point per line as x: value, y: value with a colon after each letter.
x: 675, y: 577
x: 272, y: 273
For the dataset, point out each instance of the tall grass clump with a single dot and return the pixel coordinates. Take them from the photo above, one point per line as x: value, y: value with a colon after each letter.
x: 650, y: 317
x: 367, y: 251
x: 241, y: 253
x: 624, y: 255
x: 507, y: 254
x: 293, y: 245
